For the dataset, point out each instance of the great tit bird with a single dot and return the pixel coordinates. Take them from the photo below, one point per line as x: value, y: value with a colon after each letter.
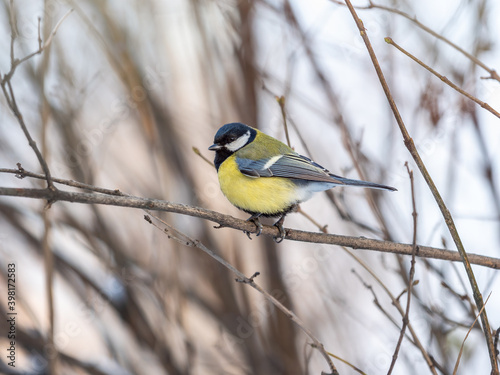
x: 264, y: 177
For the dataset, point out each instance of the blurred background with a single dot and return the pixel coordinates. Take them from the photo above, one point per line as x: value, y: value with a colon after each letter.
x: 128, y: 88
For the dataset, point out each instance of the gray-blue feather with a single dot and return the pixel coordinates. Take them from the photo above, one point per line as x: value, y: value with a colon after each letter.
x: 298, y: 167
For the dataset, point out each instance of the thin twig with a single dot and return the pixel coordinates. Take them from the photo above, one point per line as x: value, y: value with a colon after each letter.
x: 322, y: 228
x: 196, y: 150
x: 396, y: 303
x: 444, y: 79
x: 184, y: 239
x: 359, y: 371
x: 9, y: 92
x: 474, y: 59
x: 14, y: 63
x: 11, y: 100
x: 408, y: 141
x: 378, y: 304
x: 49, y: 284
x: 457, y: 363
x: 21, y: 173
x: 337, y: 118
x: 281, y: 102
x: 344, y: 215
x: 412, y: 273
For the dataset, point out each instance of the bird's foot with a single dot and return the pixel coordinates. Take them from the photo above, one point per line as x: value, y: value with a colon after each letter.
x: 279, y: 225
x: 258, y: 225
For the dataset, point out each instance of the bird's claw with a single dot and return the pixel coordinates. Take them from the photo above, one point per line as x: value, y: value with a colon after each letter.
x: 258, y: 225
x: 279, y: 225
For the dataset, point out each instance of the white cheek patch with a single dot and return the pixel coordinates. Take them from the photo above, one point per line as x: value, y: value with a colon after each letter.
x: 271, y: 161
x: 238, y: 143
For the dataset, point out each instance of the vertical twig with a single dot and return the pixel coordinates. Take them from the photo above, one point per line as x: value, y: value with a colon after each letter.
x: 49, y: 282
x: 8, y: 91
x: 410, y: 145
x: 281, y: 102
x: 52, y: 355
x: 412, y: 273
x: 13, y: 29
x: 466, y: 336
x: 398, y: 306
x: 11, y: 100
x: 336, y: 112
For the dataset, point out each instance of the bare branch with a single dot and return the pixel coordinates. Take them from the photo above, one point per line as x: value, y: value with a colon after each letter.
x: 281, y: 102
x: 467, y: 335
x: 49, y: 282
x: 412, y: 273
x: 14, y: 63
x: 9, y: 92
x: 395, y: 302
x: 444, y: 79
x: 475, y: 60
x: 21, y: 173
x: 428, y: 179
x: 188, y: 241
x: 360, y: 243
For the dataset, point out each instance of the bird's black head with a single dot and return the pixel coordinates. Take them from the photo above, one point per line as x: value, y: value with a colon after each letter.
x: 229, y: 139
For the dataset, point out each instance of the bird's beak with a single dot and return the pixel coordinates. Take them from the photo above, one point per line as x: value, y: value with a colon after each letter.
x: 215, y: 147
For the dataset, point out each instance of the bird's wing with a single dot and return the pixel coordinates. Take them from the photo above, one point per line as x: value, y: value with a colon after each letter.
x: 289, y: 166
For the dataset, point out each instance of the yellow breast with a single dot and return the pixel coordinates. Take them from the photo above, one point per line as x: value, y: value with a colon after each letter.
x: 266, y: 195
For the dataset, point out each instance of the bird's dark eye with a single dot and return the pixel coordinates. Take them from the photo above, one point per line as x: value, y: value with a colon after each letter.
x: 232, y: 139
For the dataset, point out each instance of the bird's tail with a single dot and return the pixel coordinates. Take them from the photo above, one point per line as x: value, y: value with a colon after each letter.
x: 366, y: 184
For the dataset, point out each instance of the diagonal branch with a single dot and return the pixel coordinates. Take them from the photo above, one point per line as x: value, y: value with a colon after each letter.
x: 408, y: 141
x: 371, y: 5
x: 184, y: 239
x: 444, y: 79
x: 228, y: 221
x: 457, y: 363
